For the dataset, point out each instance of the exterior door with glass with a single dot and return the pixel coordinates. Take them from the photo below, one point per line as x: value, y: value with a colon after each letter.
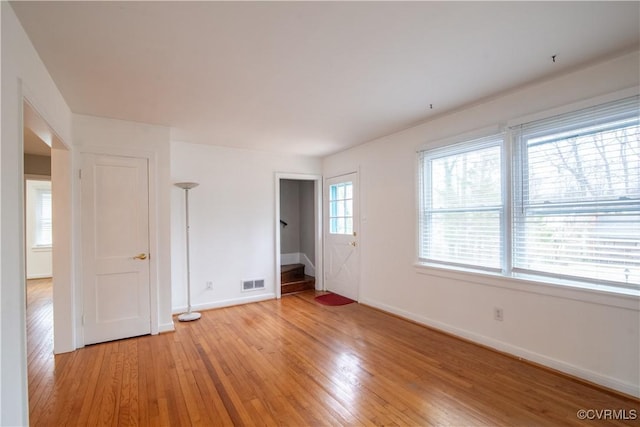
x: 342, y: 261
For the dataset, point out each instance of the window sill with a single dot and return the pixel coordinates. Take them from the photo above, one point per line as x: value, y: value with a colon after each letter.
x: 42, y: 248
x: 560, y: 288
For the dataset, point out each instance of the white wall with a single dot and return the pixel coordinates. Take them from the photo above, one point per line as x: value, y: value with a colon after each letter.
x: 307, y: 227
x: 38, y: 259
x: 290, y: 213
x: 23, y: 75
x: 232, y: 219
x: 63, y: 264
x: 117, y: 137
x: 592, y: 335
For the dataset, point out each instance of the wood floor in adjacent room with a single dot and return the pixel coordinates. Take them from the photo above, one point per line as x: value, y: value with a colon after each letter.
x: 295, y: 362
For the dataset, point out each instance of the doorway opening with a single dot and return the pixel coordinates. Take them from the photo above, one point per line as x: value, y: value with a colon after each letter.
x: 298, y: 233
x: 47, y: 246
x: 38, y: 238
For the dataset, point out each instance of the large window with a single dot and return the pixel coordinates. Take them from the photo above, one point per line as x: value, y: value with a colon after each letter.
x: 462, y: 204
x: 573, y: 198
x: 577, y: 210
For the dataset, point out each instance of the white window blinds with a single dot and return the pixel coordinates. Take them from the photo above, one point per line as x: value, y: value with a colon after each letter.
x: 43, y: 234
x: 576, y: 210
x: 462, y: 204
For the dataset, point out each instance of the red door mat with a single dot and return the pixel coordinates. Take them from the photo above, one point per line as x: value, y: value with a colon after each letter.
x: 333, y: 299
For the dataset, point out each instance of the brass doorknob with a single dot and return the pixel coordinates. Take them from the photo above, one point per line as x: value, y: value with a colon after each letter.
x: 140, y: 256
x: 352, y: 243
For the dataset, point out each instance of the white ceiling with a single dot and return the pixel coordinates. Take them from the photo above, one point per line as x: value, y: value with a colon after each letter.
x: 309, y: 77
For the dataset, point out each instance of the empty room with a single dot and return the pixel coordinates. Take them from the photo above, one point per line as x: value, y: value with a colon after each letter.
x: 320, y: 213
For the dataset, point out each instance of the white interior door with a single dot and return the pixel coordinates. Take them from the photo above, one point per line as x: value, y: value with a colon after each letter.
x: 115, y: 262
x: 342, y: 261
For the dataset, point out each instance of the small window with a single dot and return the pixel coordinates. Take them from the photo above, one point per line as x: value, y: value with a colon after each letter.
x: 43, y: 231
x: 341, y: 208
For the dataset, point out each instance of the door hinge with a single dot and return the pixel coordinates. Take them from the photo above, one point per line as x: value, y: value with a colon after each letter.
x: 79, y: 173
x: 83, y: 320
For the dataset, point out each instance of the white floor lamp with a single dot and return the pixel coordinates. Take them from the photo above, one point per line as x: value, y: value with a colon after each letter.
x: 189, y: 315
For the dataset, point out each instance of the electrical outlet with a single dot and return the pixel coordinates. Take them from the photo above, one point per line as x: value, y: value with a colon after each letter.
x: 209, y: 286
x: 498, y: 314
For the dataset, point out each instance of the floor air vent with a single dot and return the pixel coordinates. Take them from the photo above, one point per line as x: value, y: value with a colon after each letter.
x: 252, y: 285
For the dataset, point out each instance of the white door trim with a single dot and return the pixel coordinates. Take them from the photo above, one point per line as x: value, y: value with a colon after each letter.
x: 62, y: 264
x: 318, y: 223
x: 154, y: 249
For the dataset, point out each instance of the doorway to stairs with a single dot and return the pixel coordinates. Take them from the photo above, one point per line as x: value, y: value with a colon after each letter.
x: 298, y: 233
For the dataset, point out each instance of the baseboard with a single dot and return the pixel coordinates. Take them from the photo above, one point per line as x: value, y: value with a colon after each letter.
x: 515, y: 351
x: 309, y: 268
x: 292, y: 258
x: 39, y: 276
x: 166, y: 327
x: 225, y: 303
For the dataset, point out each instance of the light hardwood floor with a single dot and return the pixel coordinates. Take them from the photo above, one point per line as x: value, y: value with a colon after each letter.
x: 295, y: 362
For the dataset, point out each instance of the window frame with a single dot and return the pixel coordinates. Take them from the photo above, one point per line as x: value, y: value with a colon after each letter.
x: 344, y: 201
x: 512, y: 175
x: 599, y: 118
x: 426, y: 157
x: 39, y: 192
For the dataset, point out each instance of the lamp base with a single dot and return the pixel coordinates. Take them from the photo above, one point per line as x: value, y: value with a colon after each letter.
x: 188, y: 317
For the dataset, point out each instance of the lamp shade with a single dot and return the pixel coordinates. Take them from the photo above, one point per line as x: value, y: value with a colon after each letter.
x: 186, y: 185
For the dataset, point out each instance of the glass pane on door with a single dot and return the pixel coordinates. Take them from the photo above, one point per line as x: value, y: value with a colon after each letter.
x: 341, y: 208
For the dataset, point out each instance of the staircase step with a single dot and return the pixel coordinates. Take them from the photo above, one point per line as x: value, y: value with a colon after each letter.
x: 308, y: 282
x: 289, y: 267
x: 291, y: 273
